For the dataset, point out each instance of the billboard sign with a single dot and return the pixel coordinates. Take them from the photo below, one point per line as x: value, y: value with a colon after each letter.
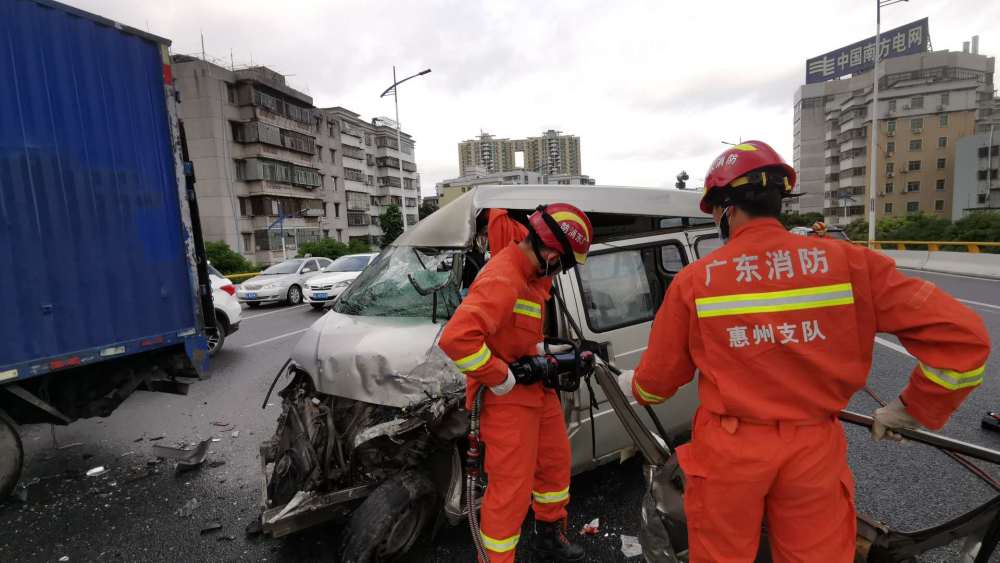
x: 859, y: 57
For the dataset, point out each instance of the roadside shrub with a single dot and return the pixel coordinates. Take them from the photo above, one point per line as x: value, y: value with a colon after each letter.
x: 225, y: 259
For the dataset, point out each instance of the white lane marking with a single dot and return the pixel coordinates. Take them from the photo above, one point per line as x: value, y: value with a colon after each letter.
x: 979, y: 304
x: 980, y: 278
x: 892, y: 346
x: 274, y: 312
x: 273, y: 338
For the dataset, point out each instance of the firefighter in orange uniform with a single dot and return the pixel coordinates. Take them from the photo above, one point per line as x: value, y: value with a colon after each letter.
x: 781, y: 328
x: 495, y: 338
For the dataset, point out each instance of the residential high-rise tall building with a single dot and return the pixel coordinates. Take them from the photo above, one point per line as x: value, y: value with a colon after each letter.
x: 927, y: 102
x: 270, y: 165
x: 552, y: 153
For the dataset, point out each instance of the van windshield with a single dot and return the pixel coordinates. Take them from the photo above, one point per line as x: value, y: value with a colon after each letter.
x: 384, y: 288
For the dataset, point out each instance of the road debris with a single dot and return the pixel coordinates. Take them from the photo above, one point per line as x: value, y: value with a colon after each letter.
x: 210, y: 528
x: 226, y: 538
x: 220, y: 423
x: 70, y: 445
x: 216, y: 463
x: 236, y: 434
x: 187, y: 458
x: 631, y: 546
x: 155, y: 438
x: 96, y: 471
x: 188, y: 509
x: 591, y: 528
x: 64, y: 558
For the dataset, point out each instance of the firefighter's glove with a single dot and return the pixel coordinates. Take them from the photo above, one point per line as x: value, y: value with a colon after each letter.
x: 625, y: 383
x: 532, y: 369
x: 505, y: 387
x: 890, y: 418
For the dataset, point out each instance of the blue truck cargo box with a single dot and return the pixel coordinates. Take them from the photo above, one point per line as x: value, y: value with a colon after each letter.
x: 96, y: 253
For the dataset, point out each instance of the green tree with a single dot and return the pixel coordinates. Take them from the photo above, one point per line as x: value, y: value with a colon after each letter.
x: 327, y: 248
x: 790, y: 220
x: 426, y: 208
x: 391, y: 221
x: 983, y: 226
x: 225, y: 259
x: 358, y: 247
x: 857, y: 230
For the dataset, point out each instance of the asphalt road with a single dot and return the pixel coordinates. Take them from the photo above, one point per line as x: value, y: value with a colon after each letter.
x: 142, y: 511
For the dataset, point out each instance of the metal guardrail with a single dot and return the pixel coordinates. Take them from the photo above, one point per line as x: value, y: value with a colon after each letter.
x: 932, y: 246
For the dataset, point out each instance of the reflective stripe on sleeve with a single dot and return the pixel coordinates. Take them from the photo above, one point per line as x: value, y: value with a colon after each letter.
x: 646, y: 395
x: 548, y: 498
x: 787, y: 300
x: 475, y: 361
x: 499, y: 546
x: 954, y: 380
x: 528, y: 308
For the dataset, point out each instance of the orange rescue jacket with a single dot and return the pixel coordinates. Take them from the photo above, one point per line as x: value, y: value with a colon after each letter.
x: 782, y: 327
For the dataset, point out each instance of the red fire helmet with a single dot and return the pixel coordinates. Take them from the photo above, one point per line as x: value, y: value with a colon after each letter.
x: 732, y: 167
x: 563, y: 228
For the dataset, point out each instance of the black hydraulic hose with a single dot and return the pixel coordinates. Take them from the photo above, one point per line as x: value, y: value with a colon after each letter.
x: 473, y: 461
x: 275, y: 382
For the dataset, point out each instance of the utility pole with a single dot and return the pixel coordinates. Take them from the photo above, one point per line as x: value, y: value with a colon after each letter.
x: 394, y: 90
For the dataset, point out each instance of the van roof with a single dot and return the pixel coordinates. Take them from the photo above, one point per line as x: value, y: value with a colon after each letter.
x: 453, y: 226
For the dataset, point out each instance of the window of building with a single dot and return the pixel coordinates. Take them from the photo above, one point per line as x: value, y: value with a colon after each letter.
x: 890, y: 126
x: 333, y: 182
x: 939, y: 185
x: 324, y: 215
x: 330, y: 126
x: 247, y: 242
x: 892, y: 105
x: 912, y: 206
x: 246, y: 210
x: 941, y: 162
x: 916, y: 102
x: 889, y: 167
x: 981, y: 174
x: 333, y: 156
x: 942, y: 142
x: 888, y: 207
x: 981, y: 198
x: 231, y: 93
x: 913, y: 165
x: 319, y: 153
x: 913, y: 186
x: 916, y: 144
x: 943, y: 120
x: 890, y: 147
x: 938, y: 205
x: 945, y: 97
x: 888, y: 187
x: 917, y: 124
x: 336, y: 211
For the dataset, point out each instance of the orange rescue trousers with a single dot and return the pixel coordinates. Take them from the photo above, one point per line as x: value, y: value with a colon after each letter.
x: 527, y: 463
x: 794, y: 473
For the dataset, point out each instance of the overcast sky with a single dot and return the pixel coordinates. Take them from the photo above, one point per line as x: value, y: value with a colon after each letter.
x: 650, y: 88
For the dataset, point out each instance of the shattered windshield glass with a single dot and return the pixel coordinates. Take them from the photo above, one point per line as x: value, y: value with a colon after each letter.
x: 384, y: 289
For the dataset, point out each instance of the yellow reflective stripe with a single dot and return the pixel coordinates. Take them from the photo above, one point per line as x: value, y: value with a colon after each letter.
x: 499, y: 546
x: 568, y: 216
x: 954, y: 380
x: 475, y: 361
x: 785, y: 300
x: 528, y: 308
x: 580, y: 258
x: 548, y: 498
x: 647, y: 396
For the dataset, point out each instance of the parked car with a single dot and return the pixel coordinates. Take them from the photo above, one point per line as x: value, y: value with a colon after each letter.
x: 281, y: 282
x: 831, y: 232
x: 387, y: 425
x: 227, y: 311
x: 334, y: 279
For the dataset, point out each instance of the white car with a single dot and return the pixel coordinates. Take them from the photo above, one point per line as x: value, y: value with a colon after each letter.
x: 335, y: 278
x: 227, y: 310
x: 281, y: 282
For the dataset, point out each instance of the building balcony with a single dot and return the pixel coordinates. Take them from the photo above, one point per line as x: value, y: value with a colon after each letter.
x: 832, y: 134
x: 847, y: 144
x: 831, y: 169
x: 853, y: 162
x: 266, y: 187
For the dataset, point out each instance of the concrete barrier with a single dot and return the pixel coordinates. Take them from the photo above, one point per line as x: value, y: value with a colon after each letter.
x: 966, y: 263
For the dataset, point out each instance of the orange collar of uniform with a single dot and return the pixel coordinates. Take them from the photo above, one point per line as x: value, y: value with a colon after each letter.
x: 757, y: 225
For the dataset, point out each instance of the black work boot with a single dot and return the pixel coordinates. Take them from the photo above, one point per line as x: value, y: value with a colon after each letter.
x: 550, y: 541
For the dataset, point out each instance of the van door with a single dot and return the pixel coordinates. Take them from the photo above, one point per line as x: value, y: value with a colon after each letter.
x: 614, y: 298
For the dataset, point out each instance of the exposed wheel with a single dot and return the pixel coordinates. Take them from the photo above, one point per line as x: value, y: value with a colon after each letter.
x: 391, y: 519
x: 318, y: 305
x: 253, y: 304
x: 11, y: 455
x: 294, y: 295
x: 216, y: 336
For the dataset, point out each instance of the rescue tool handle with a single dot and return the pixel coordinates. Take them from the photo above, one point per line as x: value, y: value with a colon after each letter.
x: 929, y: 438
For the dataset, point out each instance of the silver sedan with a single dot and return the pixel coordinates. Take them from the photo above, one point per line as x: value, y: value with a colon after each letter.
x: 280, y: 282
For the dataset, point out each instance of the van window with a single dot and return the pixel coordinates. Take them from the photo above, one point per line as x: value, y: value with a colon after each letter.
x: 625, y: 287
x: 703, y: 246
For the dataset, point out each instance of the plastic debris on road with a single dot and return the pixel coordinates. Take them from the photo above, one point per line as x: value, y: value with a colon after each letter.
x: 211, y: 527
x: 64, y: 558
x: 188, y: 509
x: 591, y: 528
x: 187, y: 459
x: 631, y: 546
x: 236, y: 434
x: 96, y: 471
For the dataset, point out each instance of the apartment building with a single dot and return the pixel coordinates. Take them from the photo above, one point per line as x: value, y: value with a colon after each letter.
x: 273, y: 171
x: 927, y: 102
x: 449, y: 190
x: 551, y: 154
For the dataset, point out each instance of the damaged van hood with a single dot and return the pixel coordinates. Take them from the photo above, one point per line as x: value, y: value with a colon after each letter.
x: 392, y: 361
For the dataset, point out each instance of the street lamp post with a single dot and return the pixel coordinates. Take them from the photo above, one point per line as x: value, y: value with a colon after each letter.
x: 394, y: 90
x: 873, y: 160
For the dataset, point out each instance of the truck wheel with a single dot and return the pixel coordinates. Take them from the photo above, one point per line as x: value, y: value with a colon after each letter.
x: 391, y: 519
x: 216, y: 337
x: 11, y: 455
x: 294, y: 295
